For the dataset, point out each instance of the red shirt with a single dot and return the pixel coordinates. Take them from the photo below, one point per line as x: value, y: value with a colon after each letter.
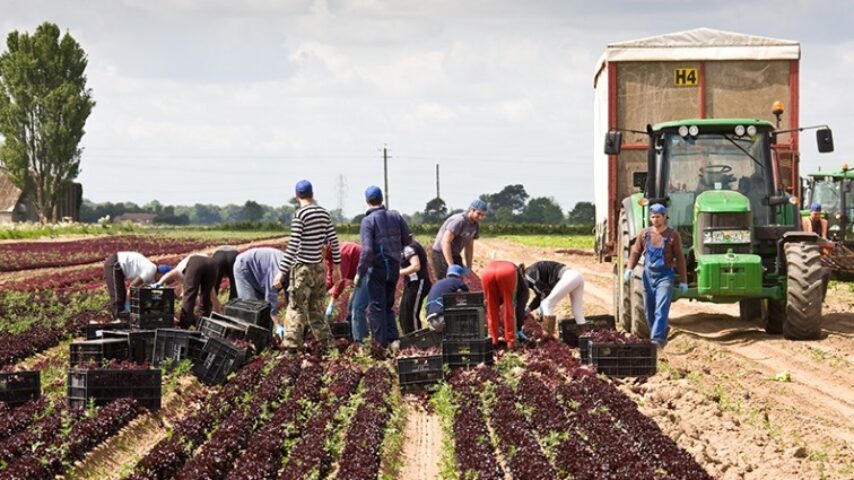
x: 349, y: 261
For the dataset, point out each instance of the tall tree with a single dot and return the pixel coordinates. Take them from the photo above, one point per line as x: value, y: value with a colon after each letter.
x: 44, y: 104
x: 512, y: 197
x: 542, y: 210
x: 435, y: 211
x: 252, y: 211
x: 584, y: 213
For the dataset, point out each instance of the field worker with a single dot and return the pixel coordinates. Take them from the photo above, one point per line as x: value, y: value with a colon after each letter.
x: 458, y: 233
x: 121, y: 266
x: 199, y: 279
x: 552, y: 282
x: 224, y: 257
x: 303, y: 261
x: 435, y: 305
x: 350, y: 252
x: 416, y: 286
x: 357, y: 312
x: 815, y: 223
x: 383, y: 234
x: 662, y: 247
x: 254, y: 273
x: 504, y: 284
x: 176, y: 275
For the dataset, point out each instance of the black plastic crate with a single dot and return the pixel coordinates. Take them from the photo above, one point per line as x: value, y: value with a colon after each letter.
x: 341, y: 330
x: 584, y: 349
x: 18, y: 388
x: 260, y: 337
x: 451, y: 301
x: 570, y: 331
x: 467, y: 353
x: 423, y: 339
x: 624, y: 360
x: 151, y: 321
x: 99, y: 350
x: 256, y: 312
x: 176, y: 344
x: 464, y: 324
x: 140, y: 343
x: 152, y: 301
x: 219, y: 358
x: 96, y: 330
x: 219, y: 328
x: 419, y: 374
x: 105, y: 385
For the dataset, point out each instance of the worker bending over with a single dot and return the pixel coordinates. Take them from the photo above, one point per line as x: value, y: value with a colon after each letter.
x: 435, y: 304
x: 552, y: 282
x: 504, y: 285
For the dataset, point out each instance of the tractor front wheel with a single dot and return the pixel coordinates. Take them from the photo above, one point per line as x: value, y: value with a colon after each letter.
x: 803, y: 291
x: 640, y: 328
x: 622, y: 290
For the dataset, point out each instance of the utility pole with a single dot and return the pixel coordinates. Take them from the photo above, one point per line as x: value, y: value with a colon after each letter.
x: 438, y: 195
x: 385, y: 175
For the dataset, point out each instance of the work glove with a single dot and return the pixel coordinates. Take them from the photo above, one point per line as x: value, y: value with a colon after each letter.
x: 540, y: 312
x: 280, y: 331
x: 466, y: 270
x: 127, y: 306
x: 683, y: 288
x: 329, y: 309
x: 520, y: 335
x: 156, y: 285
x: 527, y: 311
x: 627, y: 275
x: 357, y: 281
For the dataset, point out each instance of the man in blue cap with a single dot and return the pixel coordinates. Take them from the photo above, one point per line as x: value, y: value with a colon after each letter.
x: 815, y: 223
x: 662, y: 247
x: 303, y: 261
x: 458, y: 233
x: 383, y: 234
x: 435, y: 306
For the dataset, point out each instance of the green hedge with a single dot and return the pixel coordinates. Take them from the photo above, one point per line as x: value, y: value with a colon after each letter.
x: 487, y: 229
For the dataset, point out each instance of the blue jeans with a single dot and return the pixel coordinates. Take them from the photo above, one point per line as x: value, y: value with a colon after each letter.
x: 357, y: 316
x: 657, y: 293
x: 382, y: 284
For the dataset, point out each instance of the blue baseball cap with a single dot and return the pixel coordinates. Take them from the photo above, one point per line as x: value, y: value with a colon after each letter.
x: 658, y: 209
x: 163, y: 269
x: 373, y: 193
x: 478, y: 205
x: 815, y: 207
x: 455, y: 271
x: 304, y: 188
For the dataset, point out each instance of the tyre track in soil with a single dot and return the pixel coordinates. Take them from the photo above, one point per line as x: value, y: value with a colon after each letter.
x: 729, y: 412
x: 422, y: 439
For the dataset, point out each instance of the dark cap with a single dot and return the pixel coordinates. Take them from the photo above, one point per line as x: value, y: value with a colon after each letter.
x: 373, y: 193
x: 304, y: 188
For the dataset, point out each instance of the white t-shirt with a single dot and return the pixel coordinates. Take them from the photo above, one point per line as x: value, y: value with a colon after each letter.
x: 182, y: 265
x: 134, y: 264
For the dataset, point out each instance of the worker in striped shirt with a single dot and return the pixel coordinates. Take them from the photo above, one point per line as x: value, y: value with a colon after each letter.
x: 303, y: 263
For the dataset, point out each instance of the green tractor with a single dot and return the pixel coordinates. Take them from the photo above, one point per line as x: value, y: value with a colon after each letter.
x: 741, y: 231
x: 834, y: 190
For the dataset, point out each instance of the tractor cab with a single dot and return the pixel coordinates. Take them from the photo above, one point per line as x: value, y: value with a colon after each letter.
x: 834, y: 190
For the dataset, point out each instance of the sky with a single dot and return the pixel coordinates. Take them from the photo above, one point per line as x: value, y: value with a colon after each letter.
x: 223, y: 101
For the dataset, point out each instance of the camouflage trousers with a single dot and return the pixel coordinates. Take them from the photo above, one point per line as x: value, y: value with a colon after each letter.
x: 307, y: 291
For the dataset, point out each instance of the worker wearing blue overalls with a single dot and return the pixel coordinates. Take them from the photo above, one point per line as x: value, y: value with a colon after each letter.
x: 663, y: 256
x: 383, y: 234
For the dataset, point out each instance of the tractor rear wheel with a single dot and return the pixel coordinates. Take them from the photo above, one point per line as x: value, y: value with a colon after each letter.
x: 640, y: 328
x: 803, y: 291
x: 622, y: 290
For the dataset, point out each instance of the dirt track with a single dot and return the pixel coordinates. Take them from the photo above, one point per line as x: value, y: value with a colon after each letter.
x: 716, y: 392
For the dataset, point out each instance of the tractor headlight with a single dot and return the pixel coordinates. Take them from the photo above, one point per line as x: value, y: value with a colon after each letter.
x: 693, y: 130
x: 724, y: 237
x: 683, y: 131
x: 751, y: 130
x: 739, y: 130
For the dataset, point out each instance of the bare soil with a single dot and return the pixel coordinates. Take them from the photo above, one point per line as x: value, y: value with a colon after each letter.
x: 421, y: 444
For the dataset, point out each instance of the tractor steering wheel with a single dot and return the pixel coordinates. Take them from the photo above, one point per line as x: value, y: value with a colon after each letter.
x: 715, y: 169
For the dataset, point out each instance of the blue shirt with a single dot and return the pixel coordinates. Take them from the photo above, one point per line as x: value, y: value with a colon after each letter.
x: 440, y: 288
x: 259, y: 267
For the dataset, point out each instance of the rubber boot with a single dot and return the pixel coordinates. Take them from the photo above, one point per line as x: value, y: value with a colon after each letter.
x: 549, y: 322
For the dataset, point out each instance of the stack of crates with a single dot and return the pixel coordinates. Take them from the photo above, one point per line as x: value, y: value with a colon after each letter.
x: 151, y: 308
x: 223, y: 326
x: 256, y: 312
x: 140, y: 343
x: 18, y: 388
x: 102, y: 386
x: 465, y: 343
